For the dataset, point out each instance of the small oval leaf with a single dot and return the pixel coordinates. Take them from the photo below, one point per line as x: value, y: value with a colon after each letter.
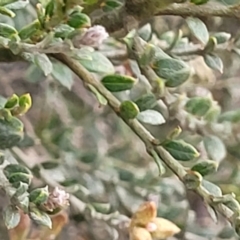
x: 181, y: 150
x: 117, y: 83
x: 214, y: 62
x: 97, y: 62
x: 198, y: 29
x: 151, y: 117
x: 205, y: 167
x: 146, y: 101
x: 198, y: 106
x: 11, y: 217
x: 174, y: 71
x: 215, y: 148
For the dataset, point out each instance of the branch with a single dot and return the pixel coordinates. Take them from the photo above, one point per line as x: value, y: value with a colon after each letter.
x: 206, y: 10
x: 142, y: 133
x: 113, y: 21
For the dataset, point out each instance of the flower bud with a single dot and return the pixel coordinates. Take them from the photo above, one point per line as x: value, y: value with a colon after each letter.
x: 93, y: 37
x: 57, y: 200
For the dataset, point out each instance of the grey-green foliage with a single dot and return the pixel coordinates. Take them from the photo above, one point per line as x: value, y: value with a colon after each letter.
x: 178, y: 79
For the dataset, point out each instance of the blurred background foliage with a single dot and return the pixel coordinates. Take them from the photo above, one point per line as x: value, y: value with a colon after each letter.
x: 86, y: 148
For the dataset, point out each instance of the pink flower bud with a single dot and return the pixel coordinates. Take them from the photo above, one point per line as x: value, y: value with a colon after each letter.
x: 59, y: 197
x: 93, y: 37
x: 57, y: 200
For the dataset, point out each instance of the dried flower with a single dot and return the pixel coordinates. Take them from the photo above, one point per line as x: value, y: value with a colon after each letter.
x: 145, y: 214
x: 139, y: 233
x: 93, y: 37
x: 164, y: 228
x: 146, y: 226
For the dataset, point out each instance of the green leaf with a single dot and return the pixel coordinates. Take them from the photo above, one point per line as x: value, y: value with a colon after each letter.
x: 199, y: 2
x: 146, y: 101
x: 43, y: 62
x: 129, y: 109
x: 5, y: 11
x: 226, y: 233
x: 63, y: 30
x: 151, y: 117
x: 230, y: 116
x: 205, y: 167
x: 50, y: 165
x: 110, y: 5
x: 39, y: 195
x: 210, y: 46
x: 11, y: 217
x: 181, y: 150
x: 215, y: 148
x: 213, y: 114
x: 20, y: 177
x: 214, y: 62
x: 198, y: 29
x: 101, y: 99
x: 12, y: 101
x: 145, y: 32
x: 3, y: 101
x: 23, y: 202
x: 15, y: 168
x: 102, y: 207
x: 29, y: 30
x: 98, y: 63
x: 125, y: 175
x: 198, y: 106
x: 7, y: 30
x: 222, y: 37
x: 158, y: 161
x: 40, y: 217
x: 79, y: 20
x: 9, y: 136
x: 117, y: 83
x: 148, y: 55
x: 212, y: 188
x: 21, y: 188
x: 176, y: 72
x: 63, y: 75
x: 17, y: 4
x: 2, y: 158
